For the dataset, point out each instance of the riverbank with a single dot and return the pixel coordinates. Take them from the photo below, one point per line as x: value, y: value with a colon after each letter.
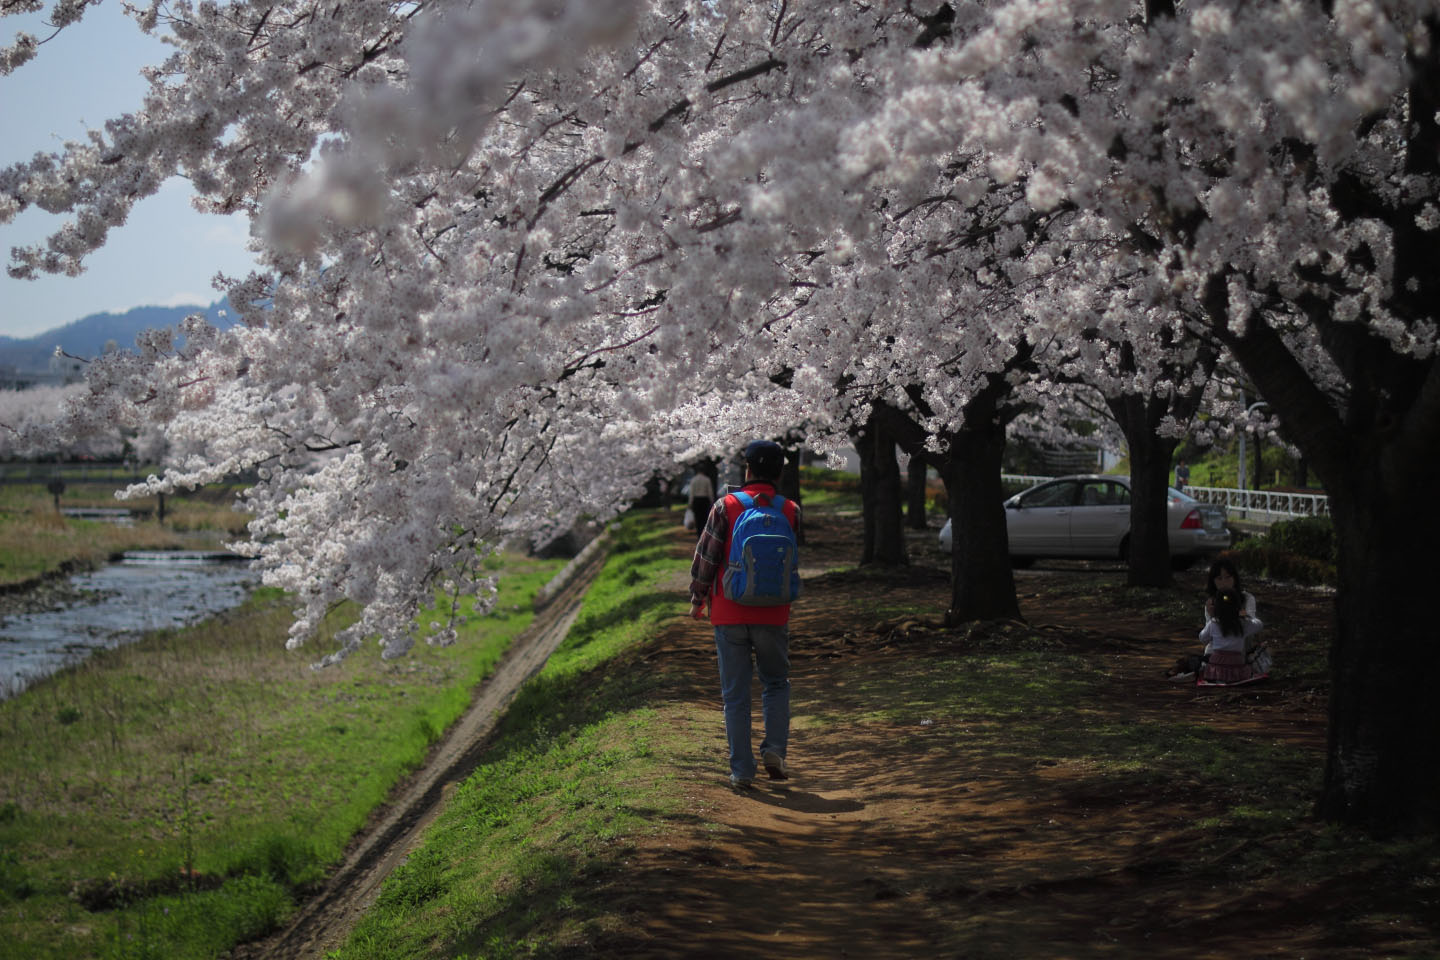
x: 40, y: 594
x: 174, y: 796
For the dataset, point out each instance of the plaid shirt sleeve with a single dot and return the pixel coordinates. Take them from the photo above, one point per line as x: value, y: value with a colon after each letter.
x: 709, y: 554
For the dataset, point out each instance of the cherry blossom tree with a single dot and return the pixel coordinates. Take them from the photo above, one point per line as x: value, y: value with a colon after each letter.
x: 1276, y: 166
x: 21, y: 411
x: 516, y: 252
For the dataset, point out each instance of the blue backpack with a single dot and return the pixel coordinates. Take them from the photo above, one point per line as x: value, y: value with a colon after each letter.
x: 764, y: 565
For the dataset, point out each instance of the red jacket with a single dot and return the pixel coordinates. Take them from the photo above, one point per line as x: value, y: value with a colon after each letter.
x: 713, y: 551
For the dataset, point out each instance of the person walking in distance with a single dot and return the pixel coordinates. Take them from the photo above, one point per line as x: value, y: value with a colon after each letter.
x: 746, y: 570
x: 702, y: 497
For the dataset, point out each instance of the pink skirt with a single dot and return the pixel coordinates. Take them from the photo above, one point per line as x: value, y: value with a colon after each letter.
x: 1230, y: 666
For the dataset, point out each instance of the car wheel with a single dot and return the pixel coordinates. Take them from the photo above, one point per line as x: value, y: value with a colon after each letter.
x: 1125, y: 549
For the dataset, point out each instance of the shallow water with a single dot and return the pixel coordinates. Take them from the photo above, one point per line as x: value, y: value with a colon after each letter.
x: 147, y: 591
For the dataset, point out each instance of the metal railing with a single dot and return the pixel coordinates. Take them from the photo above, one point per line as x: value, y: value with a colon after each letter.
x: 1264, y: 504
x: 73, y: 472
x: 1261, y: 505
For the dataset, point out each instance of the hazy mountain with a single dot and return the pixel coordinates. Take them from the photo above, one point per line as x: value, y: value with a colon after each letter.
x: 87, y: 337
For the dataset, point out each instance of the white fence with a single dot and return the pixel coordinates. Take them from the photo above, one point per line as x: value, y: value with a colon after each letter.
x: 1262, y: 505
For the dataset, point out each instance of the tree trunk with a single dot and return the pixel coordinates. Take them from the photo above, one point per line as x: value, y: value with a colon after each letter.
x: 982, y: 584
x: 915, y: 494
x: 1140, y: 417
x: 1149, y: 557
x: 1257, y: 473
x: 880, y: 494
x: 790, y: 487
x: 1384, y: 717
x: 1301, y: 475
x: 1372, y: 457
x: 1149, y: 542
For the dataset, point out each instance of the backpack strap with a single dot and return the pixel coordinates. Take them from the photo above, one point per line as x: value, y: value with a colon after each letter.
x: 744, y: 499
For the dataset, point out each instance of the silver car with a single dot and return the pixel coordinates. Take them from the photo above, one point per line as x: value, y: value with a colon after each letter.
x: 1089, y: 517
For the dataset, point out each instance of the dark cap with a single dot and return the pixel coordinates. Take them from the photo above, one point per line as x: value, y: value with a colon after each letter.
x: 765, y: 458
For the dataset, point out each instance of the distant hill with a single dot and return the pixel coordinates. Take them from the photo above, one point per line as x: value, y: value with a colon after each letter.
x: 87, y: 337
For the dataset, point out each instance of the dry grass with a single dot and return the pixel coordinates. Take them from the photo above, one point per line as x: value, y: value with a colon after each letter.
x: 38, y: 542
x: 35, y: 540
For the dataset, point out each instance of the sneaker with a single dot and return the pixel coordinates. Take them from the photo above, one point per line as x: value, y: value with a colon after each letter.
x: 740, y: 782
x: 774, y: 765
x: 1186, y: 677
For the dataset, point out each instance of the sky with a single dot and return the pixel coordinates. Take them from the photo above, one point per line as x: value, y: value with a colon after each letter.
x: 167, y: 253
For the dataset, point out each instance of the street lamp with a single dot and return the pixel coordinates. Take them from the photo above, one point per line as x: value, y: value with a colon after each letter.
x: 1248, y: 410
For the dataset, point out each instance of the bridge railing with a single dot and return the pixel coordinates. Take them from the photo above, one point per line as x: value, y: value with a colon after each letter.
x: 1263, y: 505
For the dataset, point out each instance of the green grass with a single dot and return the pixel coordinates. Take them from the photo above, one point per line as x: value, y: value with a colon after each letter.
x: 831, y: 489
x: 169, y: 798
x: 508, y: 868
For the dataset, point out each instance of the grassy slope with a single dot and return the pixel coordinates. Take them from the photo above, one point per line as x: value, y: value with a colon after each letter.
x: 167, y: 798
x: 513, y: 865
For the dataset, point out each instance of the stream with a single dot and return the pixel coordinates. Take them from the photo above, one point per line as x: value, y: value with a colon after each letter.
x: 117, y: 604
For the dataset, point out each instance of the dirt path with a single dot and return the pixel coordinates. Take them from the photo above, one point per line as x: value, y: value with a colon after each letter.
x: 902, y: 838
x: 896, y: 839
x: 325, y: 920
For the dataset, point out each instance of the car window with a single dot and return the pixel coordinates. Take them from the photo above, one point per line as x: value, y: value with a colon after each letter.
x: 1094, y: 494
x: 1116, y: 494
x: 1051, y: 495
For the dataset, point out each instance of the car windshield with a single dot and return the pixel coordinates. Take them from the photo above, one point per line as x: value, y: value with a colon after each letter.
x: 1177, y: 497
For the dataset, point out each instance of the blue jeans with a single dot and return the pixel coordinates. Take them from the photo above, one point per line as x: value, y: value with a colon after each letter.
x: 771, y: 646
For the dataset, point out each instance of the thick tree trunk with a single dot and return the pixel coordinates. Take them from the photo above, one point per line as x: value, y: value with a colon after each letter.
x: 1149, y: 512
x: 1150, y: 453
x: 1140, y: 417
x: 915, y: 494
x: 880, y: 493
x: 1372, y: 456
x: 1384, y: 716
x: 982, y: 583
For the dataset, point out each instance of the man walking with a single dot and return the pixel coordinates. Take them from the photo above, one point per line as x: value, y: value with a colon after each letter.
x: 745, y: 570
x: 702, y: 497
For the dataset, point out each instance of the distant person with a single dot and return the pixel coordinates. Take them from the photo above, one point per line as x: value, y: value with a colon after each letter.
x: 746, y: 570
x: 1182, y: 474
x: 702, y: 496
